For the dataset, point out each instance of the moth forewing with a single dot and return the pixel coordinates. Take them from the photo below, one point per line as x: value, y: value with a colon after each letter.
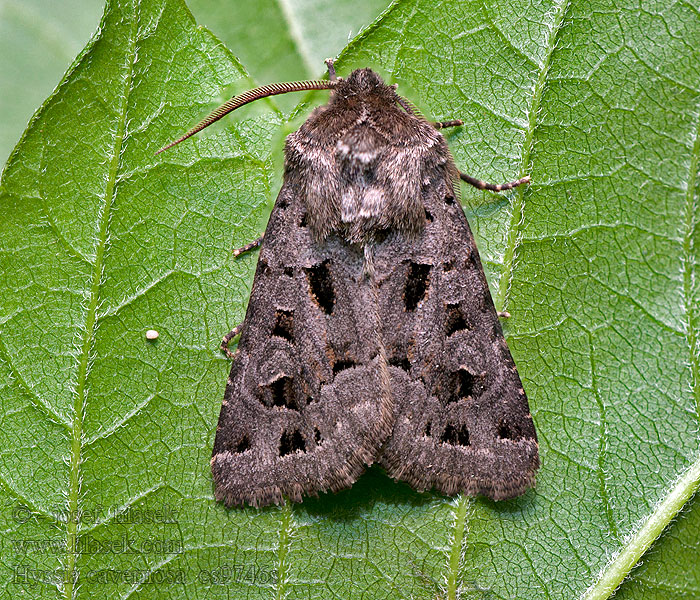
x: 370, y: 333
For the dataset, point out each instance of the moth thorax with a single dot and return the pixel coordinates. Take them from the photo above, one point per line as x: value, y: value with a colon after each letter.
x: 374, y: 196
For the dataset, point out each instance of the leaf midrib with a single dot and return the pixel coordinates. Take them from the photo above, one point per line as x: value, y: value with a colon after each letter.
x: 689, y: 266
x: 91, y: 318
x: 296, y: 35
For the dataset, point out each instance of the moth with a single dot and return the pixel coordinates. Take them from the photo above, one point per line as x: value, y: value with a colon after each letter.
x: 370, y: 334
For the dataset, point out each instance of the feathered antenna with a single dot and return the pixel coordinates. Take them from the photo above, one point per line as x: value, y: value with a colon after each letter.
x: 250, y: 96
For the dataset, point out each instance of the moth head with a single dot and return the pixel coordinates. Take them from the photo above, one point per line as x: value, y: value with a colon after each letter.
x: 364, y: 82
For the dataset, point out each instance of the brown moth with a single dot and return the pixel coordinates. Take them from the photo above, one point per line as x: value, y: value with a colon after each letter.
x: 370, y: 335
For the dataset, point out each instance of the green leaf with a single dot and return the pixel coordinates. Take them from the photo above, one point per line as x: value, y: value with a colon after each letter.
x: 670, y: 568
x: 38, y: 40
x: 106, y: 437
x: 299, y: 34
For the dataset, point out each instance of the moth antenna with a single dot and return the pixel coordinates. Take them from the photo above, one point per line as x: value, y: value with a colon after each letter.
x: 250, y: 96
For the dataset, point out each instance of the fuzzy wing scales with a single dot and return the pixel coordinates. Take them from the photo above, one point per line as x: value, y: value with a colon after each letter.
x: 307, y: 405
x: 462, y: 418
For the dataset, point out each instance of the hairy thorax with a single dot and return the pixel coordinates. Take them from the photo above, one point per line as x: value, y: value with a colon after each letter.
x: 366, y: 173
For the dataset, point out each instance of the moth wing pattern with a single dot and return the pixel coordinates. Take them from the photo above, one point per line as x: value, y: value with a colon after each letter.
x: 370, y: 332
x: 307, y: 405
x: 463, y: 422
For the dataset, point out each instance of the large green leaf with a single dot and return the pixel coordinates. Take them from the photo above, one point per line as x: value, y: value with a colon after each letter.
x: 38, y: 40
x: 670, y: 568
x: 298, y: 34
x: 106, y: 437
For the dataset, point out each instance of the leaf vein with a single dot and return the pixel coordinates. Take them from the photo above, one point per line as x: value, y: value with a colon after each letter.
x: 296, y: 33
x: 91, y: 319
x: 688, y: 267
x: 287, y: 527
x: 602, y: 444
x: 35, y: 399
x: 518, y: 214
x: 454, y: 557
x: 649, y: 530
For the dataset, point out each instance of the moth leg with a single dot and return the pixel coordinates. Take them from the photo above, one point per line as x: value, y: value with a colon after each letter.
x: 228, y: 337
x: 503, y: 314
x: 446, y: 124
x: 248, y: 247
x: 482, y: 185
